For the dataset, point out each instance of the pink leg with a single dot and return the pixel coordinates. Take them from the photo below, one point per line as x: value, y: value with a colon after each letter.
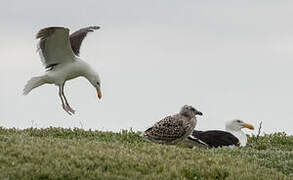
x: 64, y: 106
x: 66, y: 102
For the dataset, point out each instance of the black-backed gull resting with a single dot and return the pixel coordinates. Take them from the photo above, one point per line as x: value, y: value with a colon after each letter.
x: 233, y: 136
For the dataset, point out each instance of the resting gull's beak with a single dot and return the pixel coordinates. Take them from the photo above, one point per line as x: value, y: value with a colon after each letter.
x: 249, y: 126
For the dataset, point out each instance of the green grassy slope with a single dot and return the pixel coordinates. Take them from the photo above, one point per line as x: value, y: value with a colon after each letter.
x: 57, y: 153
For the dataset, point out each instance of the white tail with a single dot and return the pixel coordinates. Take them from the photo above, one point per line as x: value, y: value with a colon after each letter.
x: 33, y: 83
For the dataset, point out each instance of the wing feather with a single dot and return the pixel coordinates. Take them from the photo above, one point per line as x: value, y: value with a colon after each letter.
x: 170, y: 128
x: 215, y: 138
x: 54, y: 46
x: 78, y: 36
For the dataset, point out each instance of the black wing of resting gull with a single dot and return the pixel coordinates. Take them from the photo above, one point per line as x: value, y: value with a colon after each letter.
x: 214, y: 138
x: 233, y: 136
x: 173, y: 129
x: 58, y: 52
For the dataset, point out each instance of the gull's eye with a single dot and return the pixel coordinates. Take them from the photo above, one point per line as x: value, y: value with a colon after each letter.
x: 238, y: 121
x: 98, y: 83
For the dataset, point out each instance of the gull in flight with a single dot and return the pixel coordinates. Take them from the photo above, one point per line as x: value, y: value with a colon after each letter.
x: 59, y: 53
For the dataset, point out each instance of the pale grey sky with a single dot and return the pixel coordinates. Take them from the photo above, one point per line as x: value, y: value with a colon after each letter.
x: 230, y: 59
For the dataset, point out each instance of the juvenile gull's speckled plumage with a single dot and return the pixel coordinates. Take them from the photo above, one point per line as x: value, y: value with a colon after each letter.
x: 173, y: 129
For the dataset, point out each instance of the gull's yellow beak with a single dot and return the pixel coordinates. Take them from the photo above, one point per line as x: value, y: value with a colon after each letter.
x: 249, y: 126
x: 99, y: 93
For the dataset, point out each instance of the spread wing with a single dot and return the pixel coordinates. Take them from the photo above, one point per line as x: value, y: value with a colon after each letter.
x: 77, y: 37
x: 214, y: 138
x: 54, y: 46
x: 168, y: 129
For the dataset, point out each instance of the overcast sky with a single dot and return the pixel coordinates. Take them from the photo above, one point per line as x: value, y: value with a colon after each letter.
x: 229, y: 59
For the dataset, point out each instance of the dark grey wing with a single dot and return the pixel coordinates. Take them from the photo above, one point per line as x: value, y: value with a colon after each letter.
x: 168, y: 129
x: 214, y: 138
x: 77, y: 37
x: 54, y: 46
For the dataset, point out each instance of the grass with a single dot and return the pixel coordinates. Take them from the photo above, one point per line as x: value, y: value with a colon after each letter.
x: 57, y: 153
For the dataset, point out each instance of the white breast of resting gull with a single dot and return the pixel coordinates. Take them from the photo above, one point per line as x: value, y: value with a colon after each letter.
x: 59, y: 53
x: 233, y: 136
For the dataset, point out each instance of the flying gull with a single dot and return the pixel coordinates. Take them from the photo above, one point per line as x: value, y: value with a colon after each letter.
x: 233, y: 136
x: 173, y: 129
x: 59, y: 53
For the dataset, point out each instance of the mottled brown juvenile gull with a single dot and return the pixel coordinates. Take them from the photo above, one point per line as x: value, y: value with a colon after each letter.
x: 233, y: 136
x: 173, y: 129
x: 59, y: 54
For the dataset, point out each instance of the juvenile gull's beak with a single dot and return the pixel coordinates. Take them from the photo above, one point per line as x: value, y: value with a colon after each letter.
x: 199, y: 113
x: 249, y: 126
x: 99, y: 93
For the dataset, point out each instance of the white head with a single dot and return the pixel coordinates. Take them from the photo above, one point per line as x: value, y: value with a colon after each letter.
x: 237, y: 125
x: 189, y: 111
x: 94, y: 79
